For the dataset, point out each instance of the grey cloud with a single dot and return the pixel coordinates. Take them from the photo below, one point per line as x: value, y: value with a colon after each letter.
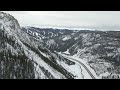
x: 68, y: 18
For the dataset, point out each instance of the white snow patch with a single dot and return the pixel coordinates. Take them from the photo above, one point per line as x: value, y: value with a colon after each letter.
x: 76, y: 38
x: 40, y: 62
x: 67, y: 52
x: 66, y: 38
x: 74, y: 69
x: 85, y: 63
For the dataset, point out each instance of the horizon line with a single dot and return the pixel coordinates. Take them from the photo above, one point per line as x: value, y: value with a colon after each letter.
x: 70, y: 28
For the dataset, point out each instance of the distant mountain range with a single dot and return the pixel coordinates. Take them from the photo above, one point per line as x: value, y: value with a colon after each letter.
x: 92, y: 27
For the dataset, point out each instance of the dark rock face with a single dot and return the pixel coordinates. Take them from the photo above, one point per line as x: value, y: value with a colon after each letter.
x: 23, y: 56
x: 12, y: 64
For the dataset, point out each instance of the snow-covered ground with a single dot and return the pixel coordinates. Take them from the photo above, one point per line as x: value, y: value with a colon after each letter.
x: 84, y: 72
x: 67, y: 52
x: 40, y: 62
x: 74, y: 69
x: 66, y: 38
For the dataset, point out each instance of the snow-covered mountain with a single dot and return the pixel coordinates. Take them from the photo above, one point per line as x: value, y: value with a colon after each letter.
x: 100, y: 49
x: 54, y: 39
x: 23, y: 56
x: 49, y: 53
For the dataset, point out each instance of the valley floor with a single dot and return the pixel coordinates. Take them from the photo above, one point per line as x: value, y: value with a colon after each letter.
x: 86, y: 70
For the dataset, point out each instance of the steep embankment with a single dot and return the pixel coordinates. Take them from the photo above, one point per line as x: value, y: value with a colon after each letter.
x: 22, y: 56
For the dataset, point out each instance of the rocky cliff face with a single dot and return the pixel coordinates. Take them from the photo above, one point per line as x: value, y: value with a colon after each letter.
x: 22, y: 56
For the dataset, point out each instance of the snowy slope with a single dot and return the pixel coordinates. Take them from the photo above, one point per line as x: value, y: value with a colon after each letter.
x: 23, y: 56
x: 99, y: 49
x: 74, y: 58
x: 31, y: 52
x: 54, y: 39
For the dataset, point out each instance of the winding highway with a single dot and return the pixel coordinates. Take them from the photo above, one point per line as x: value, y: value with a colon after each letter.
x: 92, y: 76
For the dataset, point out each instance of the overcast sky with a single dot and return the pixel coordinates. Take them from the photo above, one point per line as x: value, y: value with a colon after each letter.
x: 67, y: 18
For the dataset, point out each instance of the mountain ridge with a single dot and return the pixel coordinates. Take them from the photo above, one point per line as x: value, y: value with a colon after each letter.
x: 24, y: 57
x: 98, y: 48
x: 39, y: 53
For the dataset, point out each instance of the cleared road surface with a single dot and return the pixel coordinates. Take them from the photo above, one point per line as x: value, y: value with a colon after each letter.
x: 92, y: 76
